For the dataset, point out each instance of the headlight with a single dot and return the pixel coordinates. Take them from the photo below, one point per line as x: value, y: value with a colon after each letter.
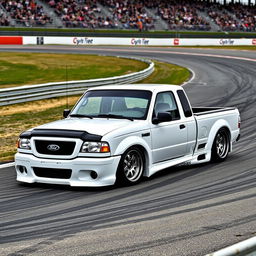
x: 95, y: 147
x: 24, y: 143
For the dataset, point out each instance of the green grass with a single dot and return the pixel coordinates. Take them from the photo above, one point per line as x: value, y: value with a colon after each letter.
x: 35, y: 68
x: 13, y: 124
x: 166, y: 73
x: 19, y: 117
x: 100, y: 31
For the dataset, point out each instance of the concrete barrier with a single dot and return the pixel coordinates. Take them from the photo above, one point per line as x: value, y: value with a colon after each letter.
x: 27, y: 93
x: 245, y: 248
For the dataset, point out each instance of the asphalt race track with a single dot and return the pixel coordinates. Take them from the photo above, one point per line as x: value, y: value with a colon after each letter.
x: 179, y: 211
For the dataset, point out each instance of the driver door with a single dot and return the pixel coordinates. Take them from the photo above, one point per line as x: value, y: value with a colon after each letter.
x: 169, y: 139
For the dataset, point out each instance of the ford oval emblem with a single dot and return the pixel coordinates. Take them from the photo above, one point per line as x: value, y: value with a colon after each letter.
x: 53, y: 147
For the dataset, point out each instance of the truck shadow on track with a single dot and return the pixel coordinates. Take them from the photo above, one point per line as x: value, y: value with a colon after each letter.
x: 165, y: 176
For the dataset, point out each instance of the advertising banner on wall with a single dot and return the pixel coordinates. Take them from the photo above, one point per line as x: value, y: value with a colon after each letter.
x: 147, y: 41
x: 107, y: 41
x: 212, y: 41
x: 86, y: 41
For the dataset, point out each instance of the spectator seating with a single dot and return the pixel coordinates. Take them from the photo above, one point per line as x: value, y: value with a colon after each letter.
x: 132, y: 14
x: 4, y: 21
x: 246, y: 16
x: 182, y: 15
x: 84, y: 14
x: 26, y: 12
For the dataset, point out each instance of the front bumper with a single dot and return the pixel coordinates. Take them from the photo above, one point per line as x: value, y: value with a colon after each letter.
x: 81, y: 169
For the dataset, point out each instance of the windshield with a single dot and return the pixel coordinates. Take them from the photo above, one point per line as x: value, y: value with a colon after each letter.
x: 127, y: 104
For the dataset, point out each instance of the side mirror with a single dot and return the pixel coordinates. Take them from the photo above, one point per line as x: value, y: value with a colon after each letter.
x: 162, y: 117
x: 66, y: 112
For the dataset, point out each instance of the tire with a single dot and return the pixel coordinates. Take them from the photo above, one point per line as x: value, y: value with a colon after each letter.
x: 221, y: 146
x: 131, y: 167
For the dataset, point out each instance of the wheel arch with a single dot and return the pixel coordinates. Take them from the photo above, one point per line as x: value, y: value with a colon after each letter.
x: 146, y: 158
x: 229, y: 137
x: 139, y: 143
x: 214, y: 130
x: 220, y: 124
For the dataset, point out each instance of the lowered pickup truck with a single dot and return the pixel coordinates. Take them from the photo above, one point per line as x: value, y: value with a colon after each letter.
x: 122, y: 133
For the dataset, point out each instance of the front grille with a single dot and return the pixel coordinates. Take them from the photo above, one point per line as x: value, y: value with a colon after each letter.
x: 55, y: 147
x: 52, y: 173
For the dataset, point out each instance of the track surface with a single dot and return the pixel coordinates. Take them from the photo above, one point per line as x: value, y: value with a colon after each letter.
x: 180, y: 211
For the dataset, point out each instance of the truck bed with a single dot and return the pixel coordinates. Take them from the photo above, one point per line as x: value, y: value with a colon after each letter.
x: 198, y: 111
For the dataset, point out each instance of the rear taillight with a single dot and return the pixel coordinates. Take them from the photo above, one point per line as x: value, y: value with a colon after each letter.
x: 239, y: 122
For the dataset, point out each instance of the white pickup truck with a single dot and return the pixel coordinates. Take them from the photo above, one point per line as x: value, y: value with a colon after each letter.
x: 122, y: 133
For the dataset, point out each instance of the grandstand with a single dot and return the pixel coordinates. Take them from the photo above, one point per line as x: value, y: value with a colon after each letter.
x: 143, y: 15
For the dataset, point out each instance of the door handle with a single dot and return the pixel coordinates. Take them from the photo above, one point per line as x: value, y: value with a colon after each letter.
x: 182, y: 126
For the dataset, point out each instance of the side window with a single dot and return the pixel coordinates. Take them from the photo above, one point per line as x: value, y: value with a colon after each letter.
x: 184, y: 102
x: 165, y: 102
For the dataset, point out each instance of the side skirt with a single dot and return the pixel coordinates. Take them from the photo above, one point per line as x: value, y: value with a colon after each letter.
x: 163, y: 165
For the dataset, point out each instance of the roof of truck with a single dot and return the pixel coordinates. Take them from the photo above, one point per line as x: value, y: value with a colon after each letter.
x: 148, y: 87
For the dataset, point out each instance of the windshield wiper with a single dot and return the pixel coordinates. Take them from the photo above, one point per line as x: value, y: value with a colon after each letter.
x: 114, y: 116
x: 80, y: 115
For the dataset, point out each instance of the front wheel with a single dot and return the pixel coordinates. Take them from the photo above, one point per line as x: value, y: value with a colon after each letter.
x: 221, y: 145
x: 131, y: 167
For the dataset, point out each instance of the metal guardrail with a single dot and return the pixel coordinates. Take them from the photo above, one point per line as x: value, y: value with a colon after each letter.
x: 244, y: 248
x: 50, y: 90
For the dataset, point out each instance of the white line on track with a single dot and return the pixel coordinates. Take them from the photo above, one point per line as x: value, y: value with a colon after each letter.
x: 192, y: 77
x: 181, y: 53
x: 128, y: 50
x: 2, y: 166
x: 143, y: 50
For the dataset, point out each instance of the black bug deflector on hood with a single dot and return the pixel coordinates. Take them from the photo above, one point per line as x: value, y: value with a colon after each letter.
x: 85, y: 136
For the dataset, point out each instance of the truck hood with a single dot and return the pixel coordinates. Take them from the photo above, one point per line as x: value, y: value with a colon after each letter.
x: 99, y: 126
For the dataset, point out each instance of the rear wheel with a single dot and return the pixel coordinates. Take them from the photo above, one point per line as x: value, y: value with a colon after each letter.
x: 131, y: 167
x: 221, y: 145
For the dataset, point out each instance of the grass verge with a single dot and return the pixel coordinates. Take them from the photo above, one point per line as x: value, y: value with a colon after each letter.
x: 17, y: 118
x: 75, y: 31
x: 166, y: 73
x: 36, y: 68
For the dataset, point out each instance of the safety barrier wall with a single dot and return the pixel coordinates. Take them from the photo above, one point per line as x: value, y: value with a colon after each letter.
x: 138, y: 41
x: 33, y: 40
x: 11, y: 40
x: 50, y: 90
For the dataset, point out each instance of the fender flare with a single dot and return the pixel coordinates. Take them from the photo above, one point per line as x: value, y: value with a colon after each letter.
x: 215, y: 128
x: 136, y: 141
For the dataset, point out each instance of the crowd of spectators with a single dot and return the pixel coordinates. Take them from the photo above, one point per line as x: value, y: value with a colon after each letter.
x: 130, y: 14
x: 222, y: 18
x: 4, y: 21
x: 246, y: 16
x: 182, y: 15
x: 80, y: 13
x: 233, y: 17
x: 26, y: 12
